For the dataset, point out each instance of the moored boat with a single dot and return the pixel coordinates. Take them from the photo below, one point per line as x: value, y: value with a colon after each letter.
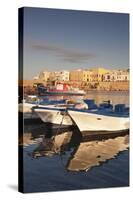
x: 101, y: 119
x: 26, y: 107
x: 57, y: 113
x: 59, y: 89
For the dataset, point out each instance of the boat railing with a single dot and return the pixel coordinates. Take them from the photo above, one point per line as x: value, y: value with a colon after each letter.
x: 105, y: 108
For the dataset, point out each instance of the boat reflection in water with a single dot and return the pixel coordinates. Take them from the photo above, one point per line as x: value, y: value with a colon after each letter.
x: 86, y: 151
x: 90, y: 154
x: 58, y: 158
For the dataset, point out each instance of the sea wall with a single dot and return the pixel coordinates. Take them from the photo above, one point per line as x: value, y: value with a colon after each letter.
x: 29, y: 83
x: 87, y: 86
x: 107, y: 86
x: 123, y: 85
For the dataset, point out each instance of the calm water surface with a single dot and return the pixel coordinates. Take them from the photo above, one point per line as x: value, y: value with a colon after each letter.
x: 70, y: 161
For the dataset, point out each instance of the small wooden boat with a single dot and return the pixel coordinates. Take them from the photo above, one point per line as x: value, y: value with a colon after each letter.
x: 26, y: 107
x: 57, y: 113
x: 101, y: 119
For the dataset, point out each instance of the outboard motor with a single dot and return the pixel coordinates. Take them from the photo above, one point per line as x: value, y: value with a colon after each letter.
x: 120, y: 108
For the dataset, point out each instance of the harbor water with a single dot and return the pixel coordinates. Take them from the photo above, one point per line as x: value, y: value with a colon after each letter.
x: 61, y: 158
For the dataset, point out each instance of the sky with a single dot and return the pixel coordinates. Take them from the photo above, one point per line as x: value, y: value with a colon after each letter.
x: 66, y: 40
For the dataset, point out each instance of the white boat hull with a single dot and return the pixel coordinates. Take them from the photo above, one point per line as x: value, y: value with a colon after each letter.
x: 53, y: 116
x: 95, y: 122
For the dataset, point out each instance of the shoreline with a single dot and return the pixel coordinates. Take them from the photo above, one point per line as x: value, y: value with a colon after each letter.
x: 33, y: 92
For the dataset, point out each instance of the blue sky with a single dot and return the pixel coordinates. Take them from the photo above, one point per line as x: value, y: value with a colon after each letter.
x: 67, y: 39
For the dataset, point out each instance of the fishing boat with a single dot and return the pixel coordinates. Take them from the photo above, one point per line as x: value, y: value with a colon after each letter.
x: 103, y: 119
x: 26, y: 107
x: 59, y: 89
x: 54, y: 115
x: 57, y: 113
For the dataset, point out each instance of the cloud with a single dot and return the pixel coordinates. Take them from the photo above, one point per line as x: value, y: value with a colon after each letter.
x: 46, y: 47
x: 64, y: 54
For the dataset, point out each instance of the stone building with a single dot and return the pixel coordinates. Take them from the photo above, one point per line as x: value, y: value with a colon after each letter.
x: 117, y: 75
x: 76, y: 75
x: 59, y: 76
x: 97, y: 74
x: 44, y: 76
x: 87, y: 76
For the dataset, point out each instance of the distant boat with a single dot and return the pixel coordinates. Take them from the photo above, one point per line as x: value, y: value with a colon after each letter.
x: 101, y: 119
x: 59, y: 89
x: 63, y: 92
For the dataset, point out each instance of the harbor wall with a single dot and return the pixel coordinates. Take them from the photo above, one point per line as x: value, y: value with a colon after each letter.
x: 117, y: 85
x: 108, y: 86
x: 87, y: 86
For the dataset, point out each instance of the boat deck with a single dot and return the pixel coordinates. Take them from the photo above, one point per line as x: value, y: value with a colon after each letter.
x: 102, y: 112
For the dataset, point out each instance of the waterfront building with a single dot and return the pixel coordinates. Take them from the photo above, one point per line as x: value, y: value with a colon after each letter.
x: 76, y: 75
x: 110, y: 76
x: 117, y: 75
x: 97, y: 74
x: 122, y: 75
x: 87, y: 76
x: 52, y: 76
x: 63, y: 75
x: 44, y: 75
x: 59, y: 76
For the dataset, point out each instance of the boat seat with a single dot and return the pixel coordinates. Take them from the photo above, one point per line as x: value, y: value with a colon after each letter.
x: 106, y: 106
x: 119, y: 108
x: 127, y: 109
x: 91, y: 104
x: 94, y: 106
